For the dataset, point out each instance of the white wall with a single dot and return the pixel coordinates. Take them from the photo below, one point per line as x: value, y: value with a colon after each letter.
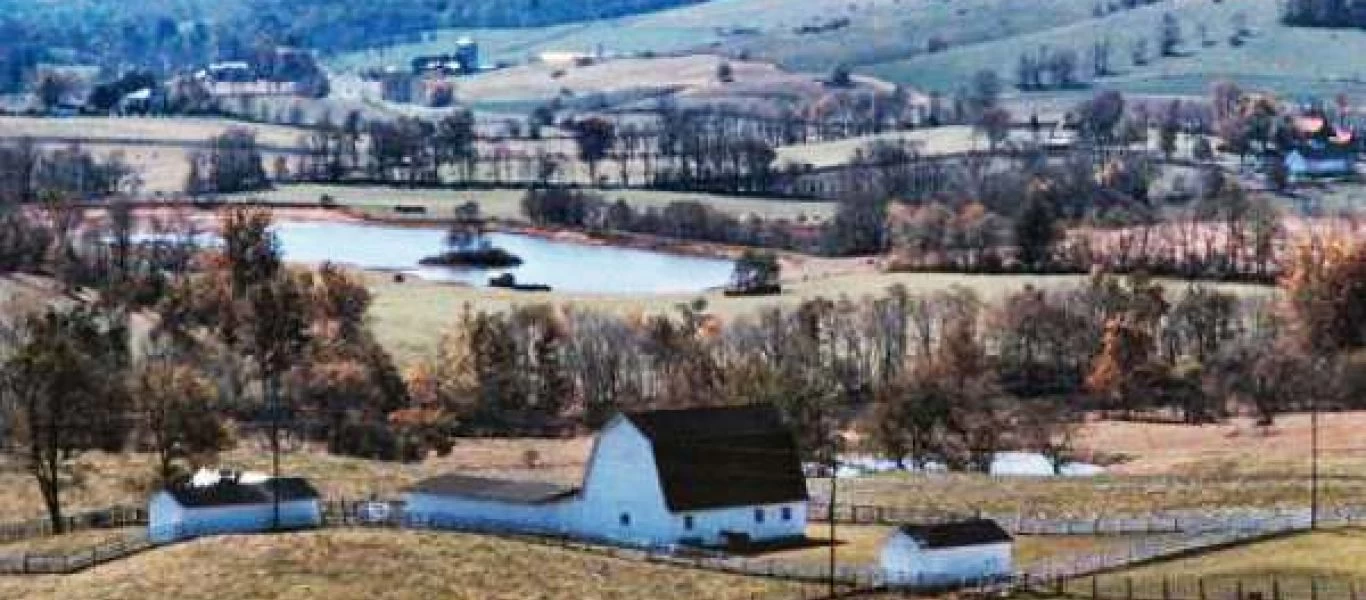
x: 448, y: 511
x: 905, y: 563
x: 168, y: 524
x: 163, y: 516
x: 621, y: 479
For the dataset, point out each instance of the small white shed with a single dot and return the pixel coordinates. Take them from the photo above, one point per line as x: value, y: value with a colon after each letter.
x: 230, y: 504
x: 947, y: 554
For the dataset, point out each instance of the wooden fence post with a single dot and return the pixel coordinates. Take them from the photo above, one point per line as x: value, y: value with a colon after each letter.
x: 1275, y: 588
x: 1240, y: 589
x: 1166, y: 587
x: 1128, y: 588
x: 1095, y: 587
x: 1313, y: 588
x: 1200, y: 581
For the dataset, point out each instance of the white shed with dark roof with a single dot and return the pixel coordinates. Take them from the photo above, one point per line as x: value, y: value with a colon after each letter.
x: 712, y: 476
x: 231, y: 504
x: 459, y: 501
x: 948, y: 553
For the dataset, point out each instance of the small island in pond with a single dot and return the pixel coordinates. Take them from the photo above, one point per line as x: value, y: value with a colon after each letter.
x: 466, y: 246
x: 487, y: 257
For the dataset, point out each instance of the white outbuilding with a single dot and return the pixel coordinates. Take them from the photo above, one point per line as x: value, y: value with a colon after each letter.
x: 708, y: 477
x: 231, y: 503
x: 947, y: 554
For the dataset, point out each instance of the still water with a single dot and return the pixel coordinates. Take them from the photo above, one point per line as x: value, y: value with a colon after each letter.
x: 562, y: 265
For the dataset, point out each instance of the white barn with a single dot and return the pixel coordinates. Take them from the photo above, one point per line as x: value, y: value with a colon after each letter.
x: 946, y: 554
x: 708, y: 477
x: 230, y: 504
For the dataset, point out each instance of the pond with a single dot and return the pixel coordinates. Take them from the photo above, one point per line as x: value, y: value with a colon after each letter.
x: 565, y: 266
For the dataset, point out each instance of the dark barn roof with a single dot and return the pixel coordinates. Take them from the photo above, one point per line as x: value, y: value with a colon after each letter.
x: 502, y: 490
x: 229, y: 493
x: 723, y: 457
x: 952, y: 535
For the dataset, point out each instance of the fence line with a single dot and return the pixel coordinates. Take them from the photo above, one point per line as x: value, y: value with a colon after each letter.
x: 1192, y: 587
x: 1167, y: 522
x: 1059, y: 573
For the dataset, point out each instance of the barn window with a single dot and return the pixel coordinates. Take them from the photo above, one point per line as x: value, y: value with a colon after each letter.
x: 687, y: 522
x: 625, y: 519
x: 787, y: 513
x: 758, y: 515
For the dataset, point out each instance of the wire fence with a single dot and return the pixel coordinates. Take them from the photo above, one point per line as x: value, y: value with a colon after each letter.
x: 108, y: 518
x: 1162, y: 522
x: 1190, y: 587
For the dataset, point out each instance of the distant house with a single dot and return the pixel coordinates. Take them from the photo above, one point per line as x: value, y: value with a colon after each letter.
x: 1318, y: 150
x: 567, y: 59
x: 464, y: 61
x: 231, y: 503
x: 137, y: 102
x: 1318, y: 163
x: 708, y: 477
x: 949, y: 553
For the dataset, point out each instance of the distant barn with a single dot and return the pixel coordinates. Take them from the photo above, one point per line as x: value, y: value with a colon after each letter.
x: 949, y: 553
x: 231, y: 503
x: 711, y: 476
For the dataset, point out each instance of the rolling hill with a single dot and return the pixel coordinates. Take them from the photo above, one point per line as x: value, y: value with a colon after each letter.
x: 892, y: 39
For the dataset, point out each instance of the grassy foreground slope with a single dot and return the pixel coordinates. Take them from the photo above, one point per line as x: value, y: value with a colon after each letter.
x: 365, y: 565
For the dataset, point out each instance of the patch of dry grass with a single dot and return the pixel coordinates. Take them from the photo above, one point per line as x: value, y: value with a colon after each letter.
x: 169, y: 129
x: 127, y: 479
x: 343, y: 565
x: 507, y: 204
x: 410, y: 317
x: 1085, y: 497
x: 1304, y: 566
x: 71, y: 542
x: 861, y: 546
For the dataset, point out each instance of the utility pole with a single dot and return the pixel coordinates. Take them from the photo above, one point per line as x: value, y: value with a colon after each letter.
x: 1314, y: 463
x: 273, y: 398
x: 832, y: 440
x: 834, y: 478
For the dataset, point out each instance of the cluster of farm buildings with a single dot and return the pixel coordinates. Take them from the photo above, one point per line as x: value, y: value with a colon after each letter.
x: 721, y: 478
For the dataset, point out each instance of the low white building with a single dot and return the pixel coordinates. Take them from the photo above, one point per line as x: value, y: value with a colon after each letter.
x: 946, y: 554
x: 707, y: 477
x: 231, y: 503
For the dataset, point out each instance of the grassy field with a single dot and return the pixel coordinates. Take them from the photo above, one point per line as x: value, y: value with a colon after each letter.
x: 507, y: 204
x: 364, y: 565
x: 70, y: 542
x: 158, y: 148
x: 889, y: 39
x: 930, y: 142
x: 1304, y: 566
x: 410, y: 317
x: 1166, y: 467
x: 127, y: 479
x: 1274, y: 57
x: 878, y: 31
x: 861, y: 545
x: 170, y: 129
